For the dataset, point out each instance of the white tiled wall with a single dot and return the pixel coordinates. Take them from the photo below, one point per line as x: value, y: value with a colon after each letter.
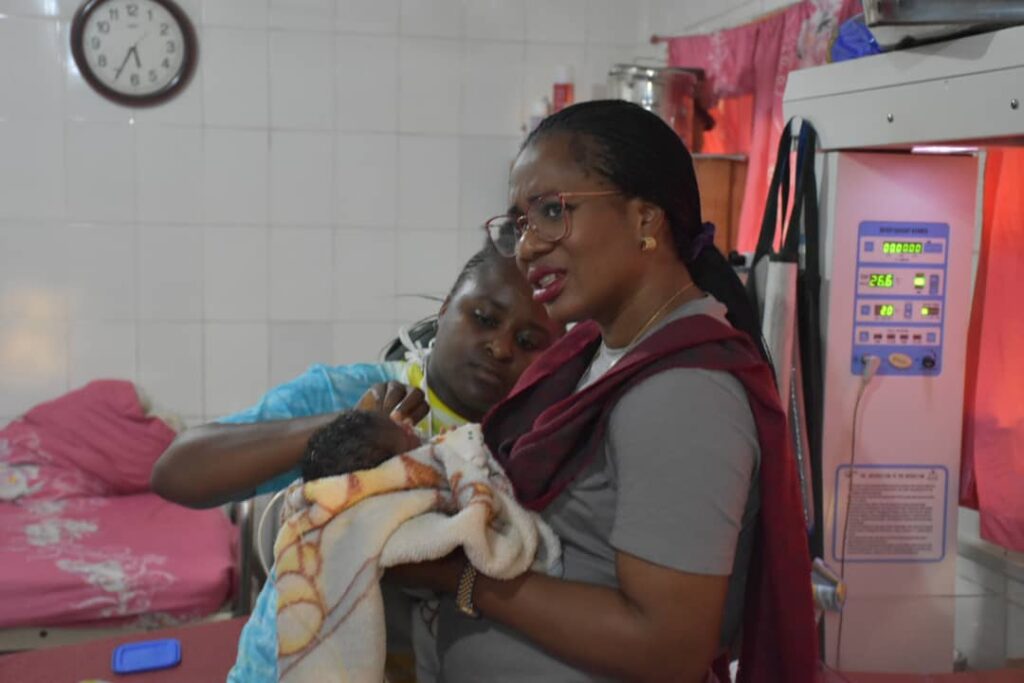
x: 328, y: 165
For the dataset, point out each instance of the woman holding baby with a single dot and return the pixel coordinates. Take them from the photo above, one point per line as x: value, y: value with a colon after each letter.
x: 489, y: 331
x: 650, y: 437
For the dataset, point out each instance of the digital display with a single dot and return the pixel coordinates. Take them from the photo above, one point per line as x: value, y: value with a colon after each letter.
x: 883, y: 280
x: 898, y: 273
x: 902, y: 247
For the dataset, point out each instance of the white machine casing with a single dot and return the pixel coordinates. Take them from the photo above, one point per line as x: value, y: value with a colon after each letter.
x: 897, y: 548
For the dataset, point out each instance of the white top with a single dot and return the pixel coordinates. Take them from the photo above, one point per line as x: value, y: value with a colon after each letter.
x: 606, y: 357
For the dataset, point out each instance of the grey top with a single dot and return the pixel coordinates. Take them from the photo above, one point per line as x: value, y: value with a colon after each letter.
x: 674, y: 484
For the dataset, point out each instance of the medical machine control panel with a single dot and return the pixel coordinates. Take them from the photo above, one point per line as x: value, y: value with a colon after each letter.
x: 900, y: 297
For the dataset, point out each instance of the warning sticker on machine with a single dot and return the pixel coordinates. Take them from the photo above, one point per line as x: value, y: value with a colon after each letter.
x: 890, y: 513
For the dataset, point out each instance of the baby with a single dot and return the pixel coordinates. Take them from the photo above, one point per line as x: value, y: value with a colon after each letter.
x: 356, y: 440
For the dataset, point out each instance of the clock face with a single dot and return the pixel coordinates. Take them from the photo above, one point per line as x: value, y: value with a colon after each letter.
x: 133, y: 51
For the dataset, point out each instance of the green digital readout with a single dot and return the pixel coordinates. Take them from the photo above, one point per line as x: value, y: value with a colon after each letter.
x: 902, y: 247
x: 882, y: 280
x: 885, y: 310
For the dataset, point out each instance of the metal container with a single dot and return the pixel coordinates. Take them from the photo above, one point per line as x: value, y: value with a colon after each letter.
x: 666, y: 91
x: 911, y: 12
x: 828, y: 587
x: 905, y: 23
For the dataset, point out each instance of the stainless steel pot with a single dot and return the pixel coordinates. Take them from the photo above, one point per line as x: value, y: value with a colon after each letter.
x: 667, y: 91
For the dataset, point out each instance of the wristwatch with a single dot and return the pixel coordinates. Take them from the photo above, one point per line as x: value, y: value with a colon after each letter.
x: 464, y: 592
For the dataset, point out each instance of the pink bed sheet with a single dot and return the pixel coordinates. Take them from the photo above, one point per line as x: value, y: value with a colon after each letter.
x: 112, y: 559
x: 81, y: 539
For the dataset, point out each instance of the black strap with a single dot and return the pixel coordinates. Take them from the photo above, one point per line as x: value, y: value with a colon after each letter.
x: 769, y: 221
x: 804, y: 222
x: 809, y: 331
x: 804, y: 187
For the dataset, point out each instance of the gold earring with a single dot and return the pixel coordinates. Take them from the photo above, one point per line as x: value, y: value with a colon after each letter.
x: 648, y: 243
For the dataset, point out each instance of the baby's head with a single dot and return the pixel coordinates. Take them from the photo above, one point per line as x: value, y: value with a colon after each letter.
x: 355, y: 440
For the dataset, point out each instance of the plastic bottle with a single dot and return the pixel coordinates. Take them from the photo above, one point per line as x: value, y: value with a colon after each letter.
x: 564, y: 91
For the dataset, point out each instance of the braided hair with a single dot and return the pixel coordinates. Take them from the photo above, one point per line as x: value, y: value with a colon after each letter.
x: 487, y: 254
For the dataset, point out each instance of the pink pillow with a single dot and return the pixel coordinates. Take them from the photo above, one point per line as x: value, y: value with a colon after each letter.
x: 96, y: 440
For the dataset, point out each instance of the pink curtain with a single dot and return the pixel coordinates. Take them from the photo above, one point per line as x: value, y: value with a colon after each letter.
x: 754, y: 60
x: 992, y: 471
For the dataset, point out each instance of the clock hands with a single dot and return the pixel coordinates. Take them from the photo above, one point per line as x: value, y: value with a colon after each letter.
x: 133, y: 50
x: 126, y: 56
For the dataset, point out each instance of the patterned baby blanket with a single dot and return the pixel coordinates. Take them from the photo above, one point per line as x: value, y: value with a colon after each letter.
x: 340, y: 533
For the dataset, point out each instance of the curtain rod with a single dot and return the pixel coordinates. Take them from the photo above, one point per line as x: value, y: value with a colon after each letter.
x: 656, y: 39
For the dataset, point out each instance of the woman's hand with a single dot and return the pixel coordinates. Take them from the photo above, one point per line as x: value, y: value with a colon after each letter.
x: 400, y: 402
x: 440, y: 576
x: 214, y: 463
x: 658, y: 624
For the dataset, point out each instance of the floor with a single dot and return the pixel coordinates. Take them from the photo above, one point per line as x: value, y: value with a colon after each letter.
x: 1005, y: 676
x: 207, y: 653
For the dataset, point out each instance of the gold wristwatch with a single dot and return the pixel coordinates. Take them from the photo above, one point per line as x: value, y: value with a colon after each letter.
x: 464, y: 592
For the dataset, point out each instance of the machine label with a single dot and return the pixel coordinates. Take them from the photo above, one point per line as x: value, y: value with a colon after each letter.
x: 897, y: 513
x: 900, y: 297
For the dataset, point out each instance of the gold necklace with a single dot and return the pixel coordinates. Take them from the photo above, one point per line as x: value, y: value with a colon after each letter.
x: 650, y: 321
x: 657, y: 313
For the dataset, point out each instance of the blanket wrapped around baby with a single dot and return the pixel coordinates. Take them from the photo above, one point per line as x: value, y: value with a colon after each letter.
x: 340, y: 533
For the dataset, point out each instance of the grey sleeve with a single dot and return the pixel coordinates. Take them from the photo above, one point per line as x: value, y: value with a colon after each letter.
x: 683, y: 445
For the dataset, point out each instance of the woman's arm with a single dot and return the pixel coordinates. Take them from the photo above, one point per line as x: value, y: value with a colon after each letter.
x: 659, y: 625
x: 684, y: 448
x: 215, y: 463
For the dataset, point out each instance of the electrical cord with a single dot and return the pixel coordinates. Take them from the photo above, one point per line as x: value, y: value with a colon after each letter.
x: 871, y: 365
x: 272, y: 508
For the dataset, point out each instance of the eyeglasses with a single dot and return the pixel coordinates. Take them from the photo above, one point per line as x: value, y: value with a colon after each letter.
x: 547, y: 216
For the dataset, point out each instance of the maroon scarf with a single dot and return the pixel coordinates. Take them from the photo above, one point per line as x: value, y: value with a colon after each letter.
x: 545, y: 433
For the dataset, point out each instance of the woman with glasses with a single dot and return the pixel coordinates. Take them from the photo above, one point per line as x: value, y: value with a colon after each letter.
x: 650, y: 437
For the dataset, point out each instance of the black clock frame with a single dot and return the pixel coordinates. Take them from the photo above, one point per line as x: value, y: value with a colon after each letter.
x: 172, y: 88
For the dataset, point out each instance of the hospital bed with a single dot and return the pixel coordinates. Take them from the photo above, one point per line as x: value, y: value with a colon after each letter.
x: 87, y: 551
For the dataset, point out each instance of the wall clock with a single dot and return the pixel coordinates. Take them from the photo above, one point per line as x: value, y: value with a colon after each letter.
x: 135, y: 52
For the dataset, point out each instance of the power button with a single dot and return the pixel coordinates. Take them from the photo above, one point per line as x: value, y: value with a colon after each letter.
x: 900, y: 361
